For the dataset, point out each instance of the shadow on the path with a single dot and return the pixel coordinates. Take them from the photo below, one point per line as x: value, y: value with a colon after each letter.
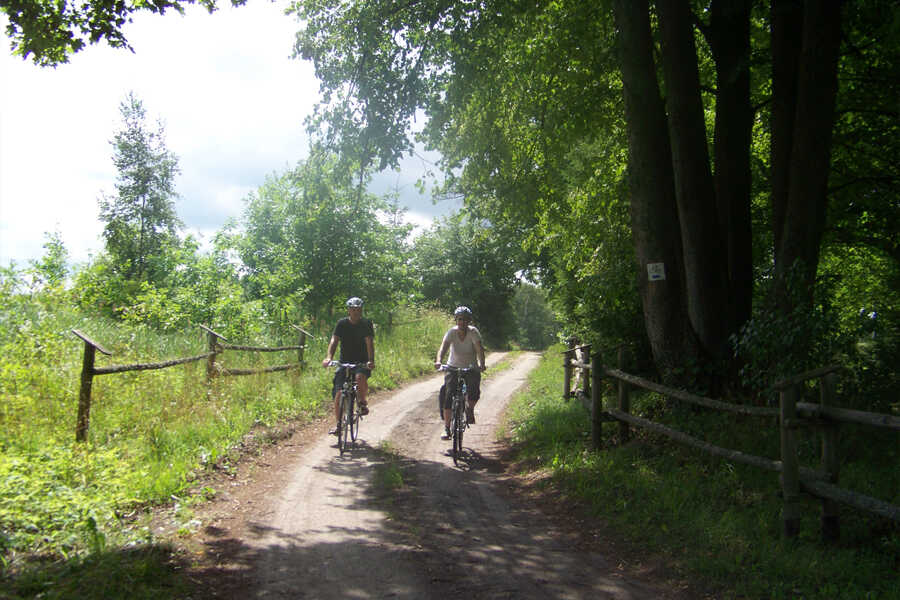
x: 444, y: 534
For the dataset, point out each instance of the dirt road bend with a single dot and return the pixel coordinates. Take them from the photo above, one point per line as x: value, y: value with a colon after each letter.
x: 326, y: 527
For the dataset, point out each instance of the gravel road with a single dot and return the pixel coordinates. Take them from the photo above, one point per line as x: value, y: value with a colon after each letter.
x: 324, y: 526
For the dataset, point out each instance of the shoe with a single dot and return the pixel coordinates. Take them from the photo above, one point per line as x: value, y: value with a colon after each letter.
x: 334, y: 431
x: 470, y: 415
x: 446, y: 435
x: 363, y: 409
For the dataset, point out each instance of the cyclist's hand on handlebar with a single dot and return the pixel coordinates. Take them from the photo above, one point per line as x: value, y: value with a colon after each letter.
x: 327, y: 362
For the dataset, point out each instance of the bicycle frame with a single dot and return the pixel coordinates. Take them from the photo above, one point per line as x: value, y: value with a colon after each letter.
x: 458, y: 421
x: 348, y: 427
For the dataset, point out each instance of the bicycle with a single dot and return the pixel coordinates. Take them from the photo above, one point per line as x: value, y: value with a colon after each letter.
x: 458, y: 420
x: 348, y: 426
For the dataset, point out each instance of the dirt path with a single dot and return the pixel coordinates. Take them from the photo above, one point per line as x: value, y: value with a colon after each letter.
x: 312, y: 524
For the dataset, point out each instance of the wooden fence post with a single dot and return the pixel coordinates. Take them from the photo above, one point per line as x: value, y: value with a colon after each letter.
x: 212, y: 339
x: 567, y: 373
x: 596, y: 405
x: 211, y: 361
x: 82, y: 425
x: 84, y: 394
x: 830, y: 464
x: 790, y: 464
x: 302, y: 342
x: 624, y: 402
x: 585, y: 376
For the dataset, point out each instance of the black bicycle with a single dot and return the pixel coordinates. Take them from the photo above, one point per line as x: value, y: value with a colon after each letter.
x: 348, y: 426
x: 458, y: 422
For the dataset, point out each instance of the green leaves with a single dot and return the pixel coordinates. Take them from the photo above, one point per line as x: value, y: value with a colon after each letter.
x: 50, y: 32
x: 140, y: 221
x: 46, y: 497
x: 313, y: 238
x: 464, y: 261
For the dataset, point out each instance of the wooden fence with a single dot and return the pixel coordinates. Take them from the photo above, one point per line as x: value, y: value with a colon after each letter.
x: 586, y: 371
x: 216, y: 344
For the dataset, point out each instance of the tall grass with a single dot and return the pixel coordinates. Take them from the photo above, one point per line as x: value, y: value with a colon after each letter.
x: 717, y: 522
x: 151, y: 432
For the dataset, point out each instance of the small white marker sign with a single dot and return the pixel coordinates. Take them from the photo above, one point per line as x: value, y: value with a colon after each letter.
x: 656, y: 271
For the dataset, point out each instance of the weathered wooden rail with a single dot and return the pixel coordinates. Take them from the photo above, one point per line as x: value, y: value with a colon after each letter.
x: 213, y: 369
x: 586, y: 370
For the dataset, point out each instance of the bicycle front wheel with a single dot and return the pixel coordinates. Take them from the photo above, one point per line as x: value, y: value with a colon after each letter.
x: 354, y: 418
x: 457, y: 427
x: 344, y: 427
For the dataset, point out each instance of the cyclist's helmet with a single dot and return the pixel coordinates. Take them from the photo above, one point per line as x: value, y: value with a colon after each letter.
x: 354, y: 302
x: 462, y: 311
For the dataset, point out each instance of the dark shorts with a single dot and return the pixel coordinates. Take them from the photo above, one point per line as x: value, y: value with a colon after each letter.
x: 339, y: 378
x: 473, y: 387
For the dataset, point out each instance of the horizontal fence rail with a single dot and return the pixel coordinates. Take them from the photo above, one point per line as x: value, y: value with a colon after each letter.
x: 586, y: 371
x: 151, y: 366
x: 216, y: 344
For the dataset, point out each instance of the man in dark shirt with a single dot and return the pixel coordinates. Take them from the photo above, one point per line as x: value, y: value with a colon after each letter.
x: 356, y: 335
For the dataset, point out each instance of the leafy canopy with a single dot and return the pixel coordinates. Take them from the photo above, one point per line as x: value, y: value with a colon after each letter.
x: 49, y: 32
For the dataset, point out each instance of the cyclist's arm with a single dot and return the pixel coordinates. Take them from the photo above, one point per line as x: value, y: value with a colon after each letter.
x: 479, y: 348
x: 442, y: 351
x: 370, y: 348
x: 329, y: 354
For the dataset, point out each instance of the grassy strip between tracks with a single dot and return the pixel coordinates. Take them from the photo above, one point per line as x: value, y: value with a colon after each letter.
x: 716, y: 523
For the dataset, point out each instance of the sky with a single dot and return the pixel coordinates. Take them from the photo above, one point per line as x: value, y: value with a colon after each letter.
x: 229, y: 95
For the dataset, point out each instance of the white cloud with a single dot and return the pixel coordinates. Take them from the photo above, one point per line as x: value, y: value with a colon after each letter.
x: 232, y: 102
x: 231, y: 99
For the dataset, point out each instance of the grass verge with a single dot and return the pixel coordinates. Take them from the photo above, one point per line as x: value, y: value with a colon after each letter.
x: 716, y: 522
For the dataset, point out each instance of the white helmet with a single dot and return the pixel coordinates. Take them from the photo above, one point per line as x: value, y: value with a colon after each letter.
x: 354, y: 302
x: 463, y: 311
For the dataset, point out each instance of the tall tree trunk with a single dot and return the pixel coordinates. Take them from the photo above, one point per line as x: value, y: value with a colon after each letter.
x: 704, y: 249
x: 729, y: 38
x: 654, y: 215
x: 787, y: 22
x: 800, y: 236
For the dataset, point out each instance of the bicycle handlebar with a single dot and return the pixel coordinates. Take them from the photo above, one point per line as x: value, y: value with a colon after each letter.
x: 336, y: 363
x: 458, y: 369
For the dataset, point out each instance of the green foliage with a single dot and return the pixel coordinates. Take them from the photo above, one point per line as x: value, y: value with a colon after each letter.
x: 867, y: 311
x: 537, y: 144
x: 312, y: 239
x: 150, y: 431
x: 49, y: 32
x: 461, y: 261
x: 717, y: 523
x: 140, y: 221
x: 865, y: 180
x: 773, y: 345
x: 52, y: 269
x: 536, y: 325
x: 59, y: 498
x: 140, y: 572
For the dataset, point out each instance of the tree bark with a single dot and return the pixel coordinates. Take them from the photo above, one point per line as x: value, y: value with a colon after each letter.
x: 702, y: 238
x: 654, y: 215
x: 807, y: 186
x: 787, y: 22
x: 729, y: 39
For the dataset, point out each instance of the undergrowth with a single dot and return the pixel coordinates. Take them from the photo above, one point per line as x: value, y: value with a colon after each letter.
x: 66, y: 507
